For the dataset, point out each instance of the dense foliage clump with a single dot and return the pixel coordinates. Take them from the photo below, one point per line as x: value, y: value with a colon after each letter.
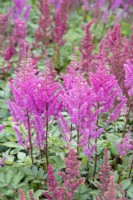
x: 66, y: 90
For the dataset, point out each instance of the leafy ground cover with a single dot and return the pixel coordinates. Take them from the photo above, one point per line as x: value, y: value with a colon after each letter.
x: 66, y: 88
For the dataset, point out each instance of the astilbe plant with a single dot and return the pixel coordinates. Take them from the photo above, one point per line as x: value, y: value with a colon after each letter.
x: 19, y: 13
x: 18, y: 37
x: 102, y: 9
x: 78, y: 102
x: 106, y: 183
x: 70, y: 180
x: 20, y: 9
x: 60, y: 23
x: 22, y: 195
x: 22, y: 104
x: 86, y: 49
x: 31, y: 195
x: 130, y: 44
x: 116, y: 48
x: 110, y: 194
x: 129, y: 76
x: 128, y: 66
x: 43, y: 33
x: 104, y: 81
x: 35, y: 102
x: 108, y: 97
x: 107, y: 92
x: 4, y: 22
x: 125, y: 145
x: 104, y: 175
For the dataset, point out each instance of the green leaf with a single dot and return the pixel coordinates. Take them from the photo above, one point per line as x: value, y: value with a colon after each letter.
x: 11, y: 144
x: 130, y: 194
x: 10, y: 159
x: 2, y: 184
x: 41, y: 173
x: 94, y: 192
x: 35, y: 170
x: 116, y: 177
x: 2, y: 177
x: 100, y: 146
x: 9, y: 176
x: 130, y: 188
x: 38, y: 193
x: 28, y: 161
x: 9, y: 192
x: 37, y: 181
x: 21, y: 155
x: 16, y: 180
x: 126, y: 183
x: 114, y: 149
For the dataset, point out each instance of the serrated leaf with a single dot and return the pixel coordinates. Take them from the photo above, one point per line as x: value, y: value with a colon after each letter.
x: 114, y: 149
x: 41, y: 173
x: 126, y: 183
x: 16, y: 180
x: 116, y: 177
x: 35, y: 170
x: 9, y: 176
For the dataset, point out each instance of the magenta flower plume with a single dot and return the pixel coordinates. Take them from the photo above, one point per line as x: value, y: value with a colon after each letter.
x: 10, y: 51
x: 110, y: 194
x: 23, y: 104
x: 87, y: 48
x: 117, y: 54
x: 71, y: 181
x: 60, y: 23
x: 21, y: 9
x: 19, y: 31
x: 4, y: 23
x: 79, y: 103
x: 70, y: 177
x: 22, y: 195
x: 51, y: 184
x: 104, y: 175
x: 43, y: 33
x: 129, y: 76
x: 125, y: 145
x: 17, y: 39
x: 35, y: 102
x: 108, y: 95
x: 86, y: 4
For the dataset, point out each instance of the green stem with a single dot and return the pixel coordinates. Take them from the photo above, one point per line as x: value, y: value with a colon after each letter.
x: 30, y: 138
x: 131, y: 167
x: 95, y: 160
x: 85, y: 15
x: 47, y: 135
x: 125, y: 125
x: 123, y: 132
